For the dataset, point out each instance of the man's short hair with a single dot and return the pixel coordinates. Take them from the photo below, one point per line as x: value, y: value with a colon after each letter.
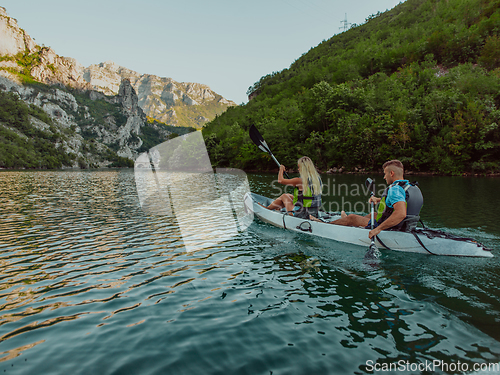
x: 394, y: 163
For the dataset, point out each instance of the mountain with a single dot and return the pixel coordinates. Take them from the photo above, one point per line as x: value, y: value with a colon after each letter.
x: 51, y: 118
x: 420, y: 82
x: 21, y: 59
x: 163, y: 99
x: 44, y: 126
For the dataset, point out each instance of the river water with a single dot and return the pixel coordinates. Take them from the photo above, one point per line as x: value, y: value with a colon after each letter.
x: 92, y: 284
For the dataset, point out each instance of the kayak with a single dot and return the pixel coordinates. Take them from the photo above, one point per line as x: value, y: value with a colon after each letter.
x: 420, y: 240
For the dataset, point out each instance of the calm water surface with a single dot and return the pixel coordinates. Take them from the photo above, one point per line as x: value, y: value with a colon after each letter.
x: 90, y: 284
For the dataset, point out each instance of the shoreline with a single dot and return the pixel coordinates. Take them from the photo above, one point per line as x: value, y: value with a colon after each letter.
x: 275, y: 170
x: 407, y: 173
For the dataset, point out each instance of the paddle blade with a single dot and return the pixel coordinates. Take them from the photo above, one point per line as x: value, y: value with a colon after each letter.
x: 259, y: 141
x: 369, y: 183
x: 256, y: 138
x: 372, y: 252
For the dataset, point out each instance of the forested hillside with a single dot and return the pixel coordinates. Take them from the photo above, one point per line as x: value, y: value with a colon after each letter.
x: 24, y: 145
x: 420, y: 82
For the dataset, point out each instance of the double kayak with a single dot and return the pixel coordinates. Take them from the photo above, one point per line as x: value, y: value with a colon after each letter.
x: 419, y: 240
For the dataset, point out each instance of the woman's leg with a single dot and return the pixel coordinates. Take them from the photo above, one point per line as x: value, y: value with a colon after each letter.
x: 285, y: 200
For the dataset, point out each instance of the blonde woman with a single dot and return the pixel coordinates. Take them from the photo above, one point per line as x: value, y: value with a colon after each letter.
x: 306, y: 198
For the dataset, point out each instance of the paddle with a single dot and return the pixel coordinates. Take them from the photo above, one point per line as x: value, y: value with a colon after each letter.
x: 259, y: 141
x: 372, y: 250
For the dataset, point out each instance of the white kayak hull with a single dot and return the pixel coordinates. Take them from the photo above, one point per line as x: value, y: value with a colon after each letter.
x: 393, y: 240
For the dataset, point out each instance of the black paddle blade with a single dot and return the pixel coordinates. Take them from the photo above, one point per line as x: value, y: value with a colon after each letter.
x: 370, y: 185
x: 256, y: 137
x: 259, y: 141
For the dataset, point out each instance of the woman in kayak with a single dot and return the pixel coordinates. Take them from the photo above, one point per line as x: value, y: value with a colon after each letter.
x: 306, y: 198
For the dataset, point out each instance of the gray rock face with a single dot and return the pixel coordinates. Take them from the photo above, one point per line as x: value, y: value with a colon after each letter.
x: 64, y: 110
x: 54, y: 70
x: 125, y: 135
x: 47, y: 101
x: 13, y: 39
x: 50, y: 68
x: 160, y: 98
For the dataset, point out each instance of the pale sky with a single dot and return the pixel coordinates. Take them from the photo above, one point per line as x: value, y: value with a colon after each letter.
x: 227, y: 45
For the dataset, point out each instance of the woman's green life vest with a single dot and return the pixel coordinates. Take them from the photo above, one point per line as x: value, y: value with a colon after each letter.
x: 305, y: 200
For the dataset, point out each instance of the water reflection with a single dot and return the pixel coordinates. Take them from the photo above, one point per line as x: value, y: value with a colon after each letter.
x: 373, y: 312
x: 86, y: 277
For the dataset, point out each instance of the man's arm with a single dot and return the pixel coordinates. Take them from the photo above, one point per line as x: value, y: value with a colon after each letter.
x: 397, y: 215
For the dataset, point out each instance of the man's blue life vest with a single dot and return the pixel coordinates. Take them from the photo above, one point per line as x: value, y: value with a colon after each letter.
x: 413, y: 197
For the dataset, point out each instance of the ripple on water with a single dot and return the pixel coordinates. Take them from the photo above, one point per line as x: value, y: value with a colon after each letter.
x: 87, y: 278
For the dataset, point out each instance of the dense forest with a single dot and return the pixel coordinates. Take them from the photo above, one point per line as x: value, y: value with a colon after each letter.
x: 420, y: 83
x: 24, y: 145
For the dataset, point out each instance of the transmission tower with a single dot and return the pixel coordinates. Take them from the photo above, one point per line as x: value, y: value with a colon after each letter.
x: 346, y: 24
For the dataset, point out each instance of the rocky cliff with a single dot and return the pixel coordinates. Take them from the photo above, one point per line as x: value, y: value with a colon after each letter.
x: 65, y: 122
x: 21, y: 57
x: 163, y: 99
x: 95, y: 129
x: 54, y: 112
x: 14, y: 40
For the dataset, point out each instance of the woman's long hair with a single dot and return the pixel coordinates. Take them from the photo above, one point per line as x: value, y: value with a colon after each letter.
x: 309, y: 176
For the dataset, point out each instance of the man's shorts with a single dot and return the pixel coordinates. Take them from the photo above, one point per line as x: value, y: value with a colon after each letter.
x: 375, y: 224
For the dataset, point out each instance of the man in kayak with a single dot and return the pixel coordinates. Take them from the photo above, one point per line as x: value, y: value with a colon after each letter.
x: 392, y: 208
